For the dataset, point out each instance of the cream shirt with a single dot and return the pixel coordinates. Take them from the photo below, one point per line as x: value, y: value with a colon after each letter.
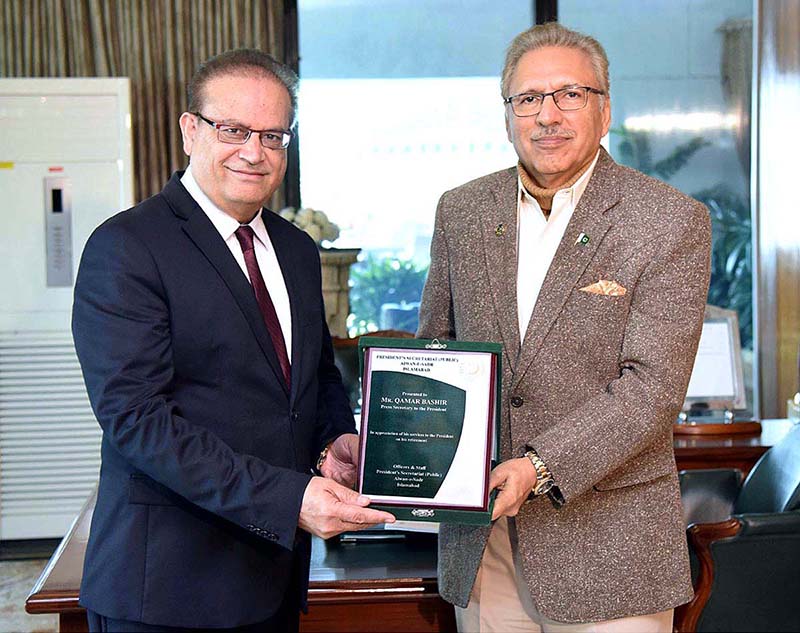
x: 538, y: 239
x: 265, y: 253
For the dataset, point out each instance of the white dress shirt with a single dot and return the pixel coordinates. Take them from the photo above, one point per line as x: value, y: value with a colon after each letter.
x: 538, y: 238
x: 265, y: 253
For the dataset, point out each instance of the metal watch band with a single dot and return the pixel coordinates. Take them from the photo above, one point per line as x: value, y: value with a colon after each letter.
x: 543, y: 475
x: 322, y: 456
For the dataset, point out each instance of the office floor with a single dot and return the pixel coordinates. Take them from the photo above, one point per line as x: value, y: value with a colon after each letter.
x: 16, y: 579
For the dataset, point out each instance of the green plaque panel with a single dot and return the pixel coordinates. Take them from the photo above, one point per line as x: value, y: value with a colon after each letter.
x: 429, y: 427
x: 414, y: 428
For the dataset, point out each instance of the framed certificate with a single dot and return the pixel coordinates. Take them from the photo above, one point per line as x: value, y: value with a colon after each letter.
x: 429, y: 424
x: 717, y: 378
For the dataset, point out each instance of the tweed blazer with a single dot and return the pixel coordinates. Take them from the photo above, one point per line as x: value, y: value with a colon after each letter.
x: 598, y: 380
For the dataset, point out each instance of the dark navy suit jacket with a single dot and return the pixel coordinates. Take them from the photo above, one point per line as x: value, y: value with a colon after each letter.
x: 205, y: 455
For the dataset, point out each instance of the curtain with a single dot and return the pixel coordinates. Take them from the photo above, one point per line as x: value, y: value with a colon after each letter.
x: 737, y: 80
x: 156, y: 43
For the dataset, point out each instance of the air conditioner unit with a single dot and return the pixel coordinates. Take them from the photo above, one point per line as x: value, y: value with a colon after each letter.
x: 65, y: 166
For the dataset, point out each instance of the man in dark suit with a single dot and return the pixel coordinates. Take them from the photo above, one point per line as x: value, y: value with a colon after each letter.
x: 199, y: 325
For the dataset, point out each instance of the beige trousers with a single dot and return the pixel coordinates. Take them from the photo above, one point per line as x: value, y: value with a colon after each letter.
x: 501, y: 602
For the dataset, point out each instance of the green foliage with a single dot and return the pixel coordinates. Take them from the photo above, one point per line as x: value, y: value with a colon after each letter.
x: 731, y: 256
x: 376, y: 281
x: 635, y: 150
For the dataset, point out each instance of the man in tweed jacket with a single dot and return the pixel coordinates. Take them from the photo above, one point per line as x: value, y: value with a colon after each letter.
x: 594, y: 279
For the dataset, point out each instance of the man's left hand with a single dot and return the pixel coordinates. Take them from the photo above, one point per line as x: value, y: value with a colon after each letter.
x: 515, y: 480
x: 342, y: 461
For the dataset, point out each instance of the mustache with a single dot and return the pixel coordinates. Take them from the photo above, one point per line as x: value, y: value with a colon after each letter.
x: 551, y: 132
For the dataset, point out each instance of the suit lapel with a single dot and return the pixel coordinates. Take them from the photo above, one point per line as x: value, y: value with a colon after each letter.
x: 499, y: 226
x: 202, y: 232
x: 571, y: 258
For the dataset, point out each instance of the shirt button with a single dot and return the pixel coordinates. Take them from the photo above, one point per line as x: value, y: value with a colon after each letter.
x: 517, y: 401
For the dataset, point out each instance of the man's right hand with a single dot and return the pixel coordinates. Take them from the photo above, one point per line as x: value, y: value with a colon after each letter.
x: 329, y: 509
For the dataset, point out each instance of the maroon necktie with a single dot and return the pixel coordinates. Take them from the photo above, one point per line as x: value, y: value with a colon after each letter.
x: 245, y: 236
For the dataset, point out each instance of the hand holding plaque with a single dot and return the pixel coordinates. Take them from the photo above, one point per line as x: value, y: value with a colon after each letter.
x: 328, y: 508
x: 340, y: 462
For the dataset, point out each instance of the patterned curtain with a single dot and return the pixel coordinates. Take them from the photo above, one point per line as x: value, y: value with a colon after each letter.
x: 157, y: 43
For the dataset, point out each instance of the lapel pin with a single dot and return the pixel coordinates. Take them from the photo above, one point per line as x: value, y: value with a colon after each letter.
x: 500, y: 229
x: 583, y: 239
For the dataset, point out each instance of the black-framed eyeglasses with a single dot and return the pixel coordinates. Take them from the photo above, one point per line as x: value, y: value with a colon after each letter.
x: 566, y: 100
x: 239, y: 135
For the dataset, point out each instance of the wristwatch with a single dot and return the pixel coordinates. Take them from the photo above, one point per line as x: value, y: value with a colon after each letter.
x: 544, y: 478
x: 545, y: 484
x: 322, y: 457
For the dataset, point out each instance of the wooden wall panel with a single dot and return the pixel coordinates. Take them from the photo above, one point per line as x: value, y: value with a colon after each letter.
x: 777, y: 200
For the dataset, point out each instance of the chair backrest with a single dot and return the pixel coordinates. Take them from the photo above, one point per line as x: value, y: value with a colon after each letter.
x: 774, y: 483
x: 345, y: 354
x: 708, y: 495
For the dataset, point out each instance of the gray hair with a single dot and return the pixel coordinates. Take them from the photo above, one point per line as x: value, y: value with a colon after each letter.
x: 554, y: 34
x: 246, y: 61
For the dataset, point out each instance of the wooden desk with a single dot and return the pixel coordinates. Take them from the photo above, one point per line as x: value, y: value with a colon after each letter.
x: 56, y: 591
x: 372, y: 586
x: 728, y: 451
x: 386, y: 586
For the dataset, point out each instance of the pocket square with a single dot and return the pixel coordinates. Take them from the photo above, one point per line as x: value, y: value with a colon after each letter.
x: 605, y: 287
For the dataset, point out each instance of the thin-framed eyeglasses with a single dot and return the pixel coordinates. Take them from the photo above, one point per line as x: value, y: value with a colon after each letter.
x: 239, y: 135
x: 566, y: 99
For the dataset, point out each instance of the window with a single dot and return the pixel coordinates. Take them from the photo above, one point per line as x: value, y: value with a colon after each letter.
x: 680, y: 102
x: 399, y: 101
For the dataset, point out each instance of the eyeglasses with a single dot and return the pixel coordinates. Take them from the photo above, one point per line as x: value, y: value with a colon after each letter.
x: 566, y: 100
x: 237, y: 135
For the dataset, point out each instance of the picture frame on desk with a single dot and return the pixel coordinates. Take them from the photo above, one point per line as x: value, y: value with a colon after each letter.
x: 716, y: 387
x: 717, y: 377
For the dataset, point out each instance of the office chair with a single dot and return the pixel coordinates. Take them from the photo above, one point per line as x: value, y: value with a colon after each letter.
x: 744, y: 539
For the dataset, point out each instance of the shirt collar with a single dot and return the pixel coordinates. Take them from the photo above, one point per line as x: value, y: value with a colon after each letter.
x: 574, y: 192
x: 225, y: 224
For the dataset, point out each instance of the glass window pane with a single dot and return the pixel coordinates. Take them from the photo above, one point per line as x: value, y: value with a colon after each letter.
x: 680, y: 101
x: 399, y: 101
